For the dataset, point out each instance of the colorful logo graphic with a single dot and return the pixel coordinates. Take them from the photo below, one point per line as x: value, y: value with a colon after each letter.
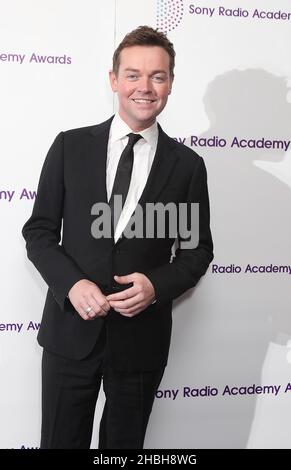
x: 169, y: 14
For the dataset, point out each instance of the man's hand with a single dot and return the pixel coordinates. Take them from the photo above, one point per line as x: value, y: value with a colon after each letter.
x: 135, y: 299
x: 88, y: 300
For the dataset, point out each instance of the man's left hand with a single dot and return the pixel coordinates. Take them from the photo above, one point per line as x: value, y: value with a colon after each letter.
x: 135, y: 299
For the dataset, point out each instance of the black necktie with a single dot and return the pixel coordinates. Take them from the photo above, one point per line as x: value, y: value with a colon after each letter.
x: 122, y: 177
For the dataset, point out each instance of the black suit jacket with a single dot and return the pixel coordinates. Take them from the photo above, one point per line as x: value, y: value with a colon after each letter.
x: 60, y: 244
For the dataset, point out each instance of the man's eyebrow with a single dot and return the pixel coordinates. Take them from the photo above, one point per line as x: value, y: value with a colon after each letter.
x: 129, y: 69
x: 159, y: 71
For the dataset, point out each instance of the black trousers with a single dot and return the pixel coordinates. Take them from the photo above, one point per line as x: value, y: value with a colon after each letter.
x: 70, y: 390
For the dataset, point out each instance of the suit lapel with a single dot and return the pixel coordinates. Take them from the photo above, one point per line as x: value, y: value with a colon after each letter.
x: 162, y: 167
x: 97, y: 157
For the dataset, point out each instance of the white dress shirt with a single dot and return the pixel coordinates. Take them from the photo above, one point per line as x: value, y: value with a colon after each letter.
x: 144, y: 152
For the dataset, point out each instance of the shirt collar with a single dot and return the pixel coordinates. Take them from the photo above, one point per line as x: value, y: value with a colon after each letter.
x: 119, y: 129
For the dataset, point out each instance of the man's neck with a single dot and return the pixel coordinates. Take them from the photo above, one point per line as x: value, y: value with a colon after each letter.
x: 136, y: 128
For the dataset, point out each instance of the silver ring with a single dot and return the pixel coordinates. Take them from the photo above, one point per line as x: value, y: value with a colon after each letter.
x: 88, y: 310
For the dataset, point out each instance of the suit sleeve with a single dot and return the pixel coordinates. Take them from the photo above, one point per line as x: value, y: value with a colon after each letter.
x: 189, y: 264
x: 42, y: 231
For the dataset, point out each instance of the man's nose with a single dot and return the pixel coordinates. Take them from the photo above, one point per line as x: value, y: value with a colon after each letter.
x: 145, y: 85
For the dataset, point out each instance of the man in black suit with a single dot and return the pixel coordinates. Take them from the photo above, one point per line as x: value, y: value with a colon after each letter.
x: 107, y: 315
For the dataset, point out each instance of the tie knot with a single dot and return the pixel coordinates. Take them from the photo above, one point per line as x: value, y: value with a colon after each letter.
x: 133, y: 139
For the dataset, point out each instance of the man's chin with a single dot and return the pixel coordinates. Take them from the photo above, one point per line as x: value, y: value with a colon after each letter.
x: 145, y: 117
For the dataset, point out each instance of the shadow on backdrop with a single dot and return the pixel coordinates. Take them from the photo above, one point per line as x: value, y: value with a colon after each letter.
x: 222, y: 332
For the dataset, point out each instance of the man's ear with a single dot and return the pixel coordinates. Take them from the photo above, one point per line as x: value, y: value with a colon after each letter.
x: 170, y: 90
x: 113, y: 80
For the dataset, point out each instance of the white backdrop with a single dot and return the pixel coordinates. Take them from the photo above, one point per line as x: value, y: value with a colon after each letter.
x: 232, y: 334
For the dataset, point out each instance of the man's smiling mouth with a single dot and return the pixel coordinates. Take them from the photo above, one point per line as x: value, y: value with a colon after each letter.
x: 143, y: 101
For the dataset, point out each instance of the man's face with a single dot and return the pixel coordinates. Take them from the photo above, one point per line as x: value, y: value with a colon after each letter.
x: 143, y: 84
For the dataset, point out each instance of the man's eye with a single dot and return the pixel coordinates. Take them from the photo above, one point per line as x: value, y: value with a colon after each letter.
x: 132, y: 77
x: 158, y: 78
